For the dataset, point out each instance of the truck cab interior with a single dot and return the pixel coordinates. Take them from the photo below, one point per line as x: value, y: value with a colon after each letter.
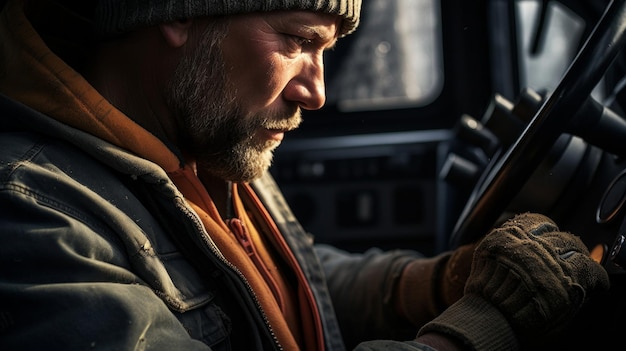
x: 445, y: 117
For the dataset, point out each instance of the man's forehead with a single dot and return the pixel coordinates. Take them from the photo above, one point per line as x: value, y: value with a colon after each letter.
x: 310, y: 24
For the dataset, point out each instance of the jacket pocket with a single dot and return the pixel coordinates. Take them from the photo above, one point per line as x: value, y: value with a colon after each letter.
x: 210, y: 325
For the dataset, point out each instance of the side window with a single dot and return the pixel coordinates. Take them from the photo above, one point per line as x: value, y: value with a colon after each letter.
x: 395, y: 60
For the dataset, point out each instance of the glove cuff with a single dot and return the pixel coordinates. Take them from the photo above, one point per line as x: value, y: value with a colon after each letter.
x: 429, y: 285
x: 417, y: 296
x: 476, y: 323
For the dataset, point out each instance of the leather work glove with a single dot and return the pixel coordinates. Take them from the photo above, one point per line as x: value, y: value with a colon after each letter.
x: 528, y: 279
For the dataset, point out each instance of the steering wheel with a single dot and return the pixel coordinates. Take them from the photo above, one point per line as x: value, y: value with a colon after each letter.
x: 494, y: 193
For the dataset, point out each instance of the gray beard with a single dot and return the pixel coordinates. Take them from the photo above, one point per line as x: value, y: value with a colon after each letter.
x: 211, y: 127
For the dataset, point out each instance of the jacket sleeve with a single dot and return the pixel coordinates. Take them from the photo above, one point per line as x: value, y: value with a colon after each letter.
x: 65, y: 285
x: 362, y: 287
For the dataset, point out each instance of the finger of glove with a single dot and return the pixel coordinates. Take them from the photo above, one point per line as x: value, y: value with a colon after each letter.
x: 561, y: 243
x: 537, y: 230
x: 526, y: 305
x: 524, y: 288
x: 573, y: 257
x: 584, y: 271
x: 532, y: 223
x: 539, y: 259
x: 543, y: 228
x: 521, y: 267
x: 523, y: 275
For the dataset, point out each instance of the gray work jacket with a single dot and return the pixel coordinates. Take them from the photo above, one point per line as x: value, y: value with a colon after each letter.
x: 99, y: 251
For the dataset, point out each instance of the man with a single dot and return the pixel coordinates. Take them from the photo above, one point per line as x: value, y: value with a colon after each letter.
x: 136, y: 211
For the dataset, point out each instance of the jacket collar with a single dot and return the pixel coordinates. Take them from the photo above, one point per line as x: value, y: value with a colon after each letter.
x: 33, y: 75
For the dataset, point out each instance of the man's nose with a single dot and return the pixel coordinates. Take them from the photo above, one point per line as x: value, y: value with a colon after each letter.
x: 307, y: 88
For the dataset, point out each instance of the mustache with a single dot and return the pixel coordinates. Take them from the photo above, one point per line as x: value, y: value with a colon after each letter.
x: 283, y: 120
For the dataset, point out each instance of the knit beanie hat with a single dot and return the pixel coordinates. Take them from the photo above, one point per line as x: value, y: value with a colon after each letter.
x: 117, y: 16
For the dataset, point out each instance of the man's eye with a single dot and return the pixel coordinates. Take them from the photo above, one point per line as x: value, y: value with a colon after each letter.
x: 305, y: 41
x: 301, y: 41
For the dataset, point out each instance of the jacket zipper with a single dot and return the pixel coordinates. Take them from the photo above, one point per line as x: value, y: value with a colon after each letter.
x: 238, y: 228
x: 291, y: 259
x: 218, y: 254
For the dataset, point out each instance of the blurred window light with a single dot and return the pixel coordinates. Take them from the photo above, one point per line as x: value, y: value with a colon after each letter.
x: 395, y: 59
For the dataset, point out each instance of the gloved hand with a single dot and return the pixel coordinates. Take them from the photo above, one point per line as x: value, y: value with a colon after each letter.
x: 528, y: 279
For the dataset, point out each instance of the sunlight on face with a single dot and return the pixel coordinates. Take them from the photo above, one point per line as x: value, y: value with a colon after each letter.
x: 214, y: 127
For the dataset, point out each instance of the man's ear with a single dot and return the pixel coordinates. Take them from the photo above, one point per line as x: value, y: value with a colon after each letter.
x: 176, y: 33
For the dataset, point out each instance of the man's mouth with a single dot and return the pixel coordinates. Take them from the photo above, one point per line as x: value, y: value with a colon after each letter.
x: 274, y: 134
